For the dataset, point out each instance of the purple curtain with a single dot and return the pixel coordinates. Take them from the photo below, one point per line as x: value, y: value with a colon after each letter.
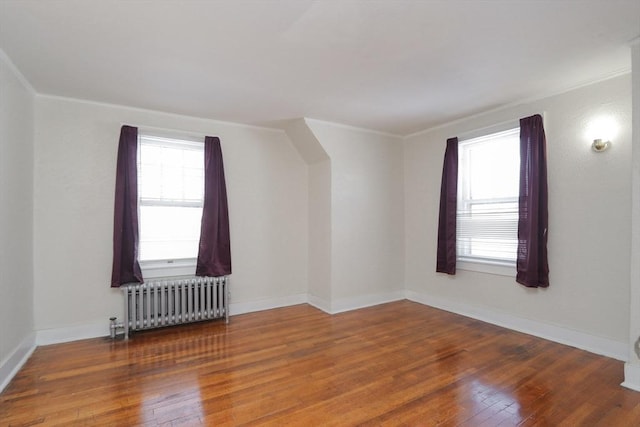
x: 446, y: 260
x: 125, y: 267
x: 532, y: 266
x: 214, y: 251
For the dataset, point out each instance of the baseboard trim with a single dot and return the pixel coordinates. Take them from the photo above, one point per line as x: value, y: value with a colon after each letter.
x: 72, y: 333
x: 594, y: 344
x: 631, y: 376
x: 266, y: 304
x: 591, y: 343
x: 14, y: 362
x: 347, y: 304
x: 101, y: 329
x: 319, y: 303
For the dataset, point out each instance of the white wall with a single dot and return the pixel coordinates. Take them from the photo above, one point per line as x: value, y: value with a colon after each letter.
x: 367, y: 223
x: 320, y: 234
x: 16, y: 212
x: 319, y: 203
x: 632, y: 367
x: 75, y: 154
x: 589, y: 222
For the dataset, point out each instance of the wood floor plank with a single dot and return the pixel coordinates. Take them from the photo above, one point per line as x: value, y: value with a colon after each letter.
x: 395, y: 364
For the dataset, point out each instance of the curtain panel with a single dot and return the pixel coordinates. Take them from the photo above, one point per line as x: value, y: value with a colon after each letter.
x: 214, y: 250
x: 446, y: 253
x: 532, y: 265
x: 126, y: 268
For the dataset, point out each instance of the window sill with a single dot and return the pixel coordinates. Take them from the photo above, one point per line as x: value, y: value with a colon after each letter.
x: 168, y: 268
x: 490, y: 267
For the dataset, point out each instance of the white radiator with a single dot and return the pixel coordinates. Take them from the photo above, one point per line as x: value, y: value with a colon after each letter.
x: 166, y: 302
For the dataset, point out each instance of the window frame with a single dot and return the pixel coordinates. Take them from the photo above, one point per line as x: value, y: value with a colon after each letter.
x: 177, y: 266
x: 465, y: 262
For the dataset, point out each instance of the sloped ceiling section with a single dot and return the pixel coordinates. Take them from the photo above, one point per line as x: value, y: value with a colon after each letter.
x: 305, y: 141
x: 392, y: 66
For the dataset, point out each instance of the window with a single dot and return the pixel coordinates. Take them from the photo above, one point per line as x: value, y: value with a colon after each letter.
x: 170, y: 200
x: 488, y: 191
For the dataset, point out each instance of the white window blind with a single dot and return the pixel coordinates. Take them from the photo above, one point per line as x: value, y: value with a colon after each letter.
x: 170, y: 192
x: 488, y: 187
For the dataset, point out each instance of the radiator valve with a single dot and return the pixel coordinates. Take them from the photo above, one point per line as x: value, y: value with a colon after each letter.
x: 114, y: 326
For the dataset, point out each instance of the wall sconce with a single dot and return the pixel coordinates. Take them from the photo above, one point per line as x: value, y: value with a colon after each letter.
x: 601, y: 130
x: 599, y: 145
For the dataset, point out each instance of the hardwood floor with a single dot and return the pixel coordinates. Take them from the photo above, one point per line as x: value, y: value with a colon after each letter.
x: 395, y: 364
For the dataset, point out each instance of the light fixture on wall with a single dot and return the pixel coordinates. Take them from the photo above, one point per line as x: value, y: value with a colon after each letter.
x: 599, y: 145
x: 601, y: 130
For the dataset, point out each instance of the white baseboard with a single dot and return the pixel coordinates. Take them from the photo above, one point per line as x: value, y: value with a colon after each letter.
x: 319, y: 303
x: 101, y: 329
x: 72, y: 333
x: 594, y: 344
x: 591, y: 343
x: 266, y: 304
x: 10, y: 366
x: 354, y: 303
x: 631, y: 376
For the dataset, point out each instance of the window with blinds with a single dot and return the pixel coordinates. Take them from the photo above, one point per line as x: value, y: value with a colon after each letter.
x: 171, y: 195
x: 488, y: 186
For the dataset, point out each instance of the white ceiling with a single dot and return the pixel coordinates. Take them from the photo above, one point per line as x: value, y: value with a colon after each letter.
x: 393, y: 66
